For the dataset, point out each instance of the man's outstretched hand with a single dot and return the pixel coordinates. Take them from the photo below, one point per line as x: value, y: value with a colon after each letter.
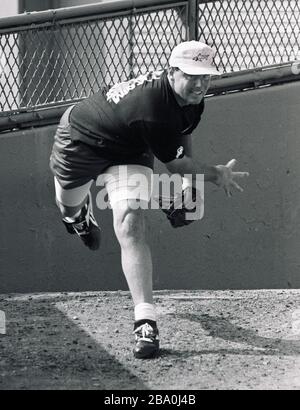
x: 226, y: 177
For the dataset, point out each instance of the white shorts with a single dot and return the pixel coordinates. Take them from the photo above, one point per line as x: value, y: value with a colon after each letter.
x: 121, y: 182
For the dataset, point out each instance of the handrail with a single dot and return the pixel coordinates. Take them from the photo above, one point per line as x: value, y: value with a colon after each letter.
x: 240, y: 81
x: 39, y: 17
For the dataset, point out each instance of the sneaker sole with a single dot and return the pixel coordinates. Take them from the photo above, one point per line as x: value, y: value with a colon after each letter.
x: 148, y: 352
x: 95, y: 245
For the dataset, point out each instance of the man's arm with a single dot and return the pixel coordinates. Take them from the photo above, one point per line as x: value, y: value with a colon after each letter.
x: 221, y: 175
x: 186, y: 165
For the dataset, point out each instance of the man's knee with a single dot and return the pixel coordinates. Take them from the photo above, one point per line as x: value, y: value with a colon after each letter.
x: 130, y: 226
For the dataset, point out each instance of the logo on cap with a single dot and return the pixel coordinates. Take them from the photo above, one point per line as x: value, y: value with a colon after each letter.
x: 201, y: 57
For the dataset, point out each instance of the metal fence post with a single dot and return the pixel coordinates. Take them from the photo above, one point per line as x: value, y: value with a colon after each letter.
x: 193, y: 11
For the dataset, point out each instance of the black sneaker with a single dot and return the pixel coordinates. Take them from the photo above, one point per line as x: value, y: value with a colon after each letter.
x: 86, y: 227
x: 146, y: 341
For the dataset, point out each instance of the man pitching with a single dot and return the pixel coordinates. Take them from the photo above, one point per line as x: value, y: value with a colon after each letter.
x: 123, y: 128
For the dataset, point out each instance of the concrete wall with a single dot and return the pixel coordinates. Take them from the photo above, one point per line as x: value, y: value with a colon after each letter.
x: 248, y: 241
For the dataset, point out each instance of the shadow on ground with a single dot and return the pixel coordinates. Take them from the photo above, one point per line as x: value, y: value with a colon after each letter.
x: 43, y: 349
x: 218, y: 327
x: 209, y: 340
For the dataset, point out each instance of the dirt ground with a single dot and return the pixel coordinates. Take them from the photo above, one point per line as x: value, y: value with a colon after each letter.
x: 210, y: 340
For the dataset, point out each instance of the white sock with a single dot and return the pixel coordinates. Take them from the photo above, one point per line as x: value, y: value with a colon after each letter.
x: 144, y: 311
x: 72, y: 218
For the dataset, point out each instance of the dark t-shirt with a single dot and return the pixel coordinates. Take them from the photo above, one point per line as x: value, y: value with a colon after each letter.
x: 135, y: 116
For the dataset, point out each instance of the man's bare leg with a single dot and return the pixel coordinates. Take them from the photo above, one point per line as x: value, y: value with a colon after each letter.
x: 129, y: 225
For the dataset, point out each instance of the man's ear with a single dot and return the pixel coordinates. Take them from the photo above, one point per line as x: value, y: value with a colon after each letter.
x: 171, y: 71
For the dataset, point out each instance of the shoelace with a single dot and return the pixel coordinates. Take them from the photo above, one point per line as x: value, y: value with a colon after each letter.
x: 146, y: 331
x: 82, y: 226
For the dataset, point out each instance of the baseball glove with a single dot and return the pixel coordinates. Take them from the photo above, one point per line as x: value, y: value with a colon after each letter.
x: 176, y: 210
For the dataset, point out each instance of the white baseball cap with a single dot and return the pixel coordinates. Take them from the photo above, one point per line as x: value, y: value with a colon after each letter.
x: 194, y: 58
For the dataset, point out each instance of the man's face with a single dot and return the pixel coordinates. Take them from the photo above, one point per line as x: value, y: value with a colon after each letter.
x: 189, y: 89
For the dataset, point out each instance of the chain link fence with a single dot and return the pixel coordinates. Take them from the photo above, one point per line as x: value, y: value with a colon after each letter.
x: 251, y: 33
x: 58, y: 57
x: 66, y: 60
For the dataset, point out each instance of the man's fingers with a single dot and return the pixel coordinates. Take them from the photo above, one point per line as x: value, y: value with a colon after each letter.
x: 240, y: 174
x: 227, y: 191
x: 231, y: 163
x: 228, y: 177
x: 239, y: 188
x: 232, y: 184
